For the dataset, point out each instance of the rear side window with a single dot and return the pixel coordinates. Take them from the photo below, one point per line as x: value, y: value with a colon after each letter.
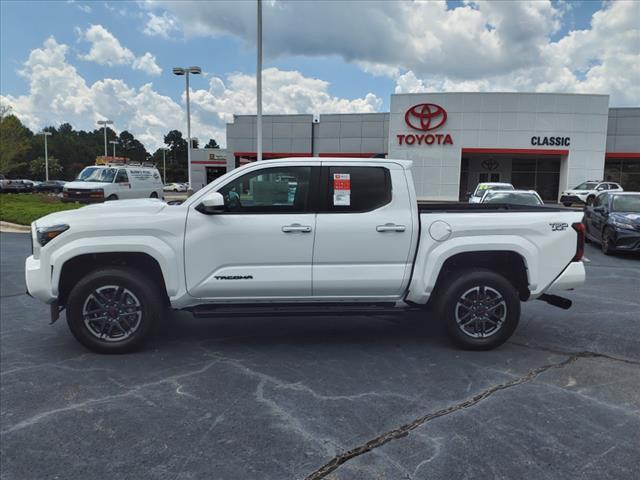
x: 357, y: 189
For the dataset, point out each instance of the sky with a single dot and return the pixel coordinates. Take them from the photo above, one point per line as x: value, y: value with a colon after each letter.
x: 82, y: 61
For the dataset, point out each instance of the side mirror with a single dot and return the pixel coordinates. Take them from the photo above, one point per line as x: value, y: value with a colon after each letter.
x: 599, y: 209
x: 467, y: 195
x: 212, y: 203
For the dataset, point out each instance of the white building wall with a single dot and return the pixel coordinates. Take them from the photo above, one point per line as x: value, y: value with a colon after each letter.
x: 504, y: 121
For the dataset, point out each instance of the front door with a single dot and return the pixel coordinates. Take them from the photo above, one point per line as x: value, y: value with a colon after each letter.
x: 261, y: 246
x: 364, y: 233
x: 123, y: 185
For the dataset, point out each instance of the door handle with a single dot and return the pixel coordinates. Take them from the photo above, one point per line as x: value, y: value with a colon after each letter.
x: 296, y: 227
x: 390, y: 227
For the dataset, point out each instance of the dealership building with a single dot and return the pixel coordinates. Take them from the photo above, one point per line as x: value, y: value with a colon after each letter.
x: 542, y: 141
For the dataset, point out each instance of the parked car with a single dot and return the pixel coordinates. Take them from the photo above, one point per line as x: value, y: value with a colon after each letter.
x: 353, y: 239
x: 613, y: 221
x: 512, y: 197
x: 54, y: 186
x: 106, y: 182
x: 16, y: 186
x: 175, y: 187
x: 586, y: 192
x: 482, y: 188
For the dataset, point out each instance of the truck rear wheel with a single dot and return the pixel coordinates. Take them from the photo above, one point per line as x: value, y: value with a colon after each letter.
x: 480, y: 308
x: 113, y: 310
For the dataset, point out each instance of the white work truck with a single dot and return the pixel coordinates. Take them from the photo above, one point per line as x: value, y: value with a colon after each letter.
x: 303, y: 236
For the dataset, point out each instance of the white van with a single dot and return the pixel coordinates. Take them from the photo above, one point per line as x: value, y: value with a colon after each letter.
x: 98, y: 183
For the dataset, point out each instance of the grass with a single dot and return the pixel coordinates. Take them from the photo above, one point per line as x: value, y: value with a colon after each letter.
x: 24, y: 208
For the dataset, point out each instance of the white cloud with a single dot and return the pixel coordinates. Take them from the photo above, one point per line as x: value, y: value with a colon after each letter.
x: 160, y: 25
x: 106, y: 49
x: 147, y: 63
x: 58, y: 94
x: 480, y: 44
x: 602, y: 59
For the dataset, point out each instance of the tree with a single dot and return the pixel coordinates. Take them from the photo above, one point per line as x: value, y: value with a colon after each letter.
x: 212, y: 144
x: 15, y: 142
x: 37, y: 168
x: 131, y: 148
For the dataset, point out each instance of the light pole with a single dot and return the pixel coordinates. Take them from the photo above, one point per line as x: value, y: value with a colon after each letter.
x: 186, y: 71
x: 164, y: 164
x: 46, y: 155
x: 259, y: 86
x: 105, y: 123
x: 114, y: 143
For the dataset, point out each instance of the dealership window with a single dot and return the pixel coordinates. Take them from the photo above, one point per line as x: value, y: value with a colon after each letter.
x: 272, y: 190
x: 358, y: 189
x: 625, y: 171
x: 539, y: 174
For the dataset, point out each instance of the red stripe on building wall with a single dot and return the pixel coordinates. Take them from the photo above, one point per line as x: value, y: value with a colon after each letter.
x: 622, y: 155
x: 273, y: 154
x: 348, y: 155
x: 517, y: 151
x: 209, y: 162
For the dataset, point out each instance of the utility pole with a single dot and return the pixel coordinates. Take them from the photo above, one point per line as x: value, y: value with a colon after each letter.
x: 186, y: 71
x: 114, y: 143
x: 46, y: 155
x: 105, y: 123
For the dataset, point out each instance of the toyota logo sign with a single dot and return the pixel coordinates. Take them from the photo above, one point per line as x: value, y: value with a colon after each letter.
x: 425, y: 116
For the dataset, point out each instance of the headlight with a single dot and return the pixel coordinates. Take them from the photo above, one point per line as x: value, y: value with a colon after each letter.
x: 46, y: 234
x: 621, y: 225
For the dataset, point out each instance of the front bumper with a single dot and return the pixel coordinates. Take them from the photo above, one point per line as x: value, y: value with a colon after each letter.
x: 38, y: 279
x: 572, y: 277
x: 627, y: 240
x: 570, y: 199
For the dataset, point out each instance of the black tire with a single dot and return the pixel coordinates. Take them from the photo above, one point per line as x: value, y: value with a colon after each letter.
x: 460, y: 284
x: 154, y: 195
x: 111, y: 197
x: 136, y: 287
x: 567, y: 204
x: 175, y: 190
x: 605, y: 243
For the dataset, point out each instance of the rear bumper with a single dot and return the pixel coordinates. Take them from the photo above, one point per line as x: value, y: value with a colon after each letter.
x: 38, y: 279
x: 572, y: 277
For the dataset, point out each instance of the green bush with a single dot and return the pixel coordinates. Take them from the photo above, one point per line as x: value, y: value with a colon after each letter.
x: 24, y: 208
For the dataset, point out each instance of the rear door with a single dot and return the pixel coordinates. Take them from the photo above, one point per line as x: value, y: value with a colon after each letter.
x: 364, y: 231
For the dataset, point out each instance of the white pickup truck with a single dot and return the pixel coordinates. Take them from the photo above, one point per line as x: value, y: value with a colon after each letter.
x: 299, y: 237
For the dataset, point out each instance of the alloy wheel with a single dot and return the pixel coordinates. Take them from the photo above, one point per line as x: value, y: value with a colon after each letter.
x: 480, y: 312
x: 112, y: 313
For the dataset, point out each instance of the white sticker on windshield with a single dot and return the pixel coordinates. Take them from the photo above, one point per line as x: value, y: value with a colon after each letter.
x: 341, y: 189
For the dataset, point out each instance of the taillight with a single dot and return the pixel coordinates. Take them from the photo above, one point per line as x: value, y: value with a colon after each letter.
x: 579, y: 228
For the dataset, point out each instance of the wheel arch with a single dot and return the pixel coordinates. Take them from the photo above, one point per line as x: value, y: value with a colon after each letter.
x: 507, y: 263
x: 75, y: 268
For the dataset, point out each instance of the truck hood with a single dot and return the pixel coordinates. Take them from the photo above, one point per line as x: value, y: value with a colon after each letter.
x: 104, y: 212
x: 86, y: 185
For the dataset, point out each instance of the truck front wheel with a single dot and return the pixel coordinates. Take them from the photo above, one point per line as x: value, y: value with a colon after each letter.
x: 113, y: 310
x: 480, y: 308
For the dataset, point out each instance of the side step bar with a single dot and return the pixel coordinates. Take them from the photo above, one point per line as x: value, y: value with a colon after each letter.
x: 307, y: 309
x: 556, y: 301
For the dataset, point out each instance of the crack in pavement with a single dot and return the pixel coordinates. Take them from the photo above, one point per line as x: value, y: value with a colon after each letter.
x: 567, y: 353
x: 404, y: 430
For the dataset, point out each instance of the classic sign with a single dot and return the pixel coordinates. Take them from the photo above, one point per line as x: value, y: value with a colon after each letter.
x: 551, y: 141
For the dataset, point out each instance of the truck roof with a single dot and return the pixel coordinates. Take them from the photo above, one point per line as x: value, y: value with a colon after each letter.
x: 406, y: 164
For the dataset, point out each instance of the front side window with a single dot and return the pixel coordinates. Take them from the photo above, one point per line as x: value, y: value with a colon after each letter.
x: 358, y: 189
x: 269, y: 190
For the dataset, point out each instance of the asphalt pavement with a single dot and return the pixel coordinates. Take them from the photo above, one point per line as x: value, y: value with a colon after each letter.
x: 335, y: 398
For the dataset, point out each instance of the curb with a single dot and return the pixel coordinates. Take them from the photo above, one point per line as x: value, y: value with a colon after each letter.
x: 8, y: 227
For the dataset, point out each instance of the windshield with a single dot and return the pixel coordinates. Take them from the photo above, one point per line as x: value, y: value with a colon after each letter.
x: 586, y: 186
x: 483, y: 188
x: 96, y: 174
x: 626, y: 203
x: 513, y: 198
